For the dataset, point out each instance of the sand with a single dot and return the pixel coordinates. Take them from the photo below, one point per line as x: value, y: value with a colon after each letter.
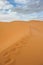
x: 21, y: 43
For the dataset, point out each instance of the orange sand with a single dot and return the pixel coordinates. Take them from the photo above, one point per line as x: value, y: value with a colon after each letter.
x: 29, y: 35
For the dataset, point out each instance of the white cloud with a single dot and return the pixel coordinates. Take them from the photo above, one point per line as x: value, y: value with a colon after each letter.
x: 15, y: 16
x: 1, y: 4
x: 8, y: 17
x: 30, y: 7
x: 5, y: 7
x: 28, y: 11
x: 20, y: 1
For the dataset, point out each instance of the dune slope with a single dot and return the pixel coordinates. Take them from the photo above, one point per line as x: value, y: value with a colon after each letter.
x: 21, y: 43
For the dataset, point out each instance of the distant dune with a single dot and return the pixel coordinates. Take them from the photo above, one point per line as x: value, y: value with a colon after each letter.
x: 21, y: 43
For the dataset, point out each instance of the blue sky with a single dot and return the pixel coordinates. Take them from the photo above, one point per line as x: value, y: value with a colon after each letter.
x: 12, y: 2
x: 21, y: 10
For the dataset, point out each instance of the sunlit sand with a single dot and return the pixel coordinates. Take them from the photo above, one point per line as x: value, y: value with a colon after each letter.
x: 21, y: 43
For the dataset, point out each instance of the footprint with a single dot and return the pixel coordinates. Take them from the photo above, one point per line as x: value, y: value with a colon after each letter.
x: 18, y: 44
x: 9, y: 61
x: 13, y: 63
x: 13, y: 51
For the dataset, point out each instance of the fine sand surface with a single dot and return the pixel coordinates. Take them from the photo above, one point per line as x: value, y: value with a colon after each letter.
x: 27, y: 38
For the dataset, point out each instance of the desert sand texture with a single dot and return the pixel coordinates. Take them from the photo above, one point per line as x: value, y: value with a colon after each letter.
x: 21, y: 43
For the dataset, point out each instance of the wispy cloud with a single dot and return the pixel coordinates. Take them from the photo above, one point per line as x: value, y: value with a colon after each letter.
x: 30, y: 6
x: 21, y: 9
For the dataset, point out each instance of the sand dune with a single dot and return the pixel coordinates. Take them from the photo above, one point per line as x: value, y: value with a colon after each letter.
x: 21, y: 43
